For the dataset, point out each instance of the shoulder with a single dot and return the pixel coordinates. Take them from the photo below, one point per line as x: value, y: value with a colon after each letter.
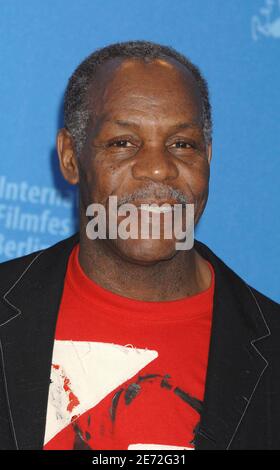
x: 267, y: 306
x: 12, y: 270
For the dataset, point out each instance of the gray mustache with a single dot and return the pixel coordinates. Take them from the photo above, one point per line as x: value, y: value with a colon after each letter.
x: 154, y: 191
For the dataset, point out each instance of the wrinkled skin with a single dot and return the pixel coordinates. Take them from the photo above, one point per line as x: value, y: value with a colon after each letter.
x: 145, y: 134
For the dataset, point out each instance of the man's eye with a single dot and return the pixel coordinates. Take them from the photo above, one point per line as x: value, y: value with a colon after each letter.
x: 181, y: 144
x: 120, y: 143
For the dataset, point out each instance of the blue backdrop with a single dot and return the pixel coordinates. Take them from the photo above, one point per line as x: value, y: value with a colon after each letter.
x: 235, y: 42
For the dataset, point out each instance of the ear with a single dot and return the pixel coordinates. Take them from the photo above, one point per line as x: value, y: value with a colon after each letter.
x: 209, y: 152
x: 67, y: 156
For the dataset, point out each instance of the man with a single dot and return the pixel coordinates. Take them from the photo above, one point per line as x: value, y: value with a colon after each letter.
x: 130, y: 343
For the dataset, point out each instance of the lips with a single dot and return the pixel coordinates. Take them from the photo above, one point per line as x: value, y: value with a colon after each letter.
x: 157, y: 207
x: 160, y: 202
x: 156, y: 210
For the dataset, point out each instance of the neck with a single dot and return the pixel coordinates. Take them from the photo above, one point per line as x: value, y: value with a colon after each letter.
x: 184, y: 275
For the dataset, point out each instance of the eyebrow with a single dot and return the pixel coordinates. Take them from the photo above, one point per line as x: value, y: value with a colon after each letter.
x: 179, y: 125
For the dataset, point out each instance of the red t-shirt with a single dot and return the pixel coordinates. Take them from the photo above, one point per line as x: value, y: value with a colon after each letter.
x: 126, y: 374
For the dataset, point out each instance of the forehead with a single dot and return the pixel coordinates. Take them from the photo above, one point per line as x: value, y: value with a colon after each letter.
x: 160, y: 87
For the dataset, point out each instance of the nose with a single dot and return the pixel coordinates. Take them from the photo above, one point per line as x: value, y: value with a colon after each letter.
x: 154, y: 164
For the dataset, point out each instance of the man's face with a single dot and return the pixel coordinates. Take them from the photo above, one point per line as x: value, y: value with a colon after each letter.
x: 145, y: 139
